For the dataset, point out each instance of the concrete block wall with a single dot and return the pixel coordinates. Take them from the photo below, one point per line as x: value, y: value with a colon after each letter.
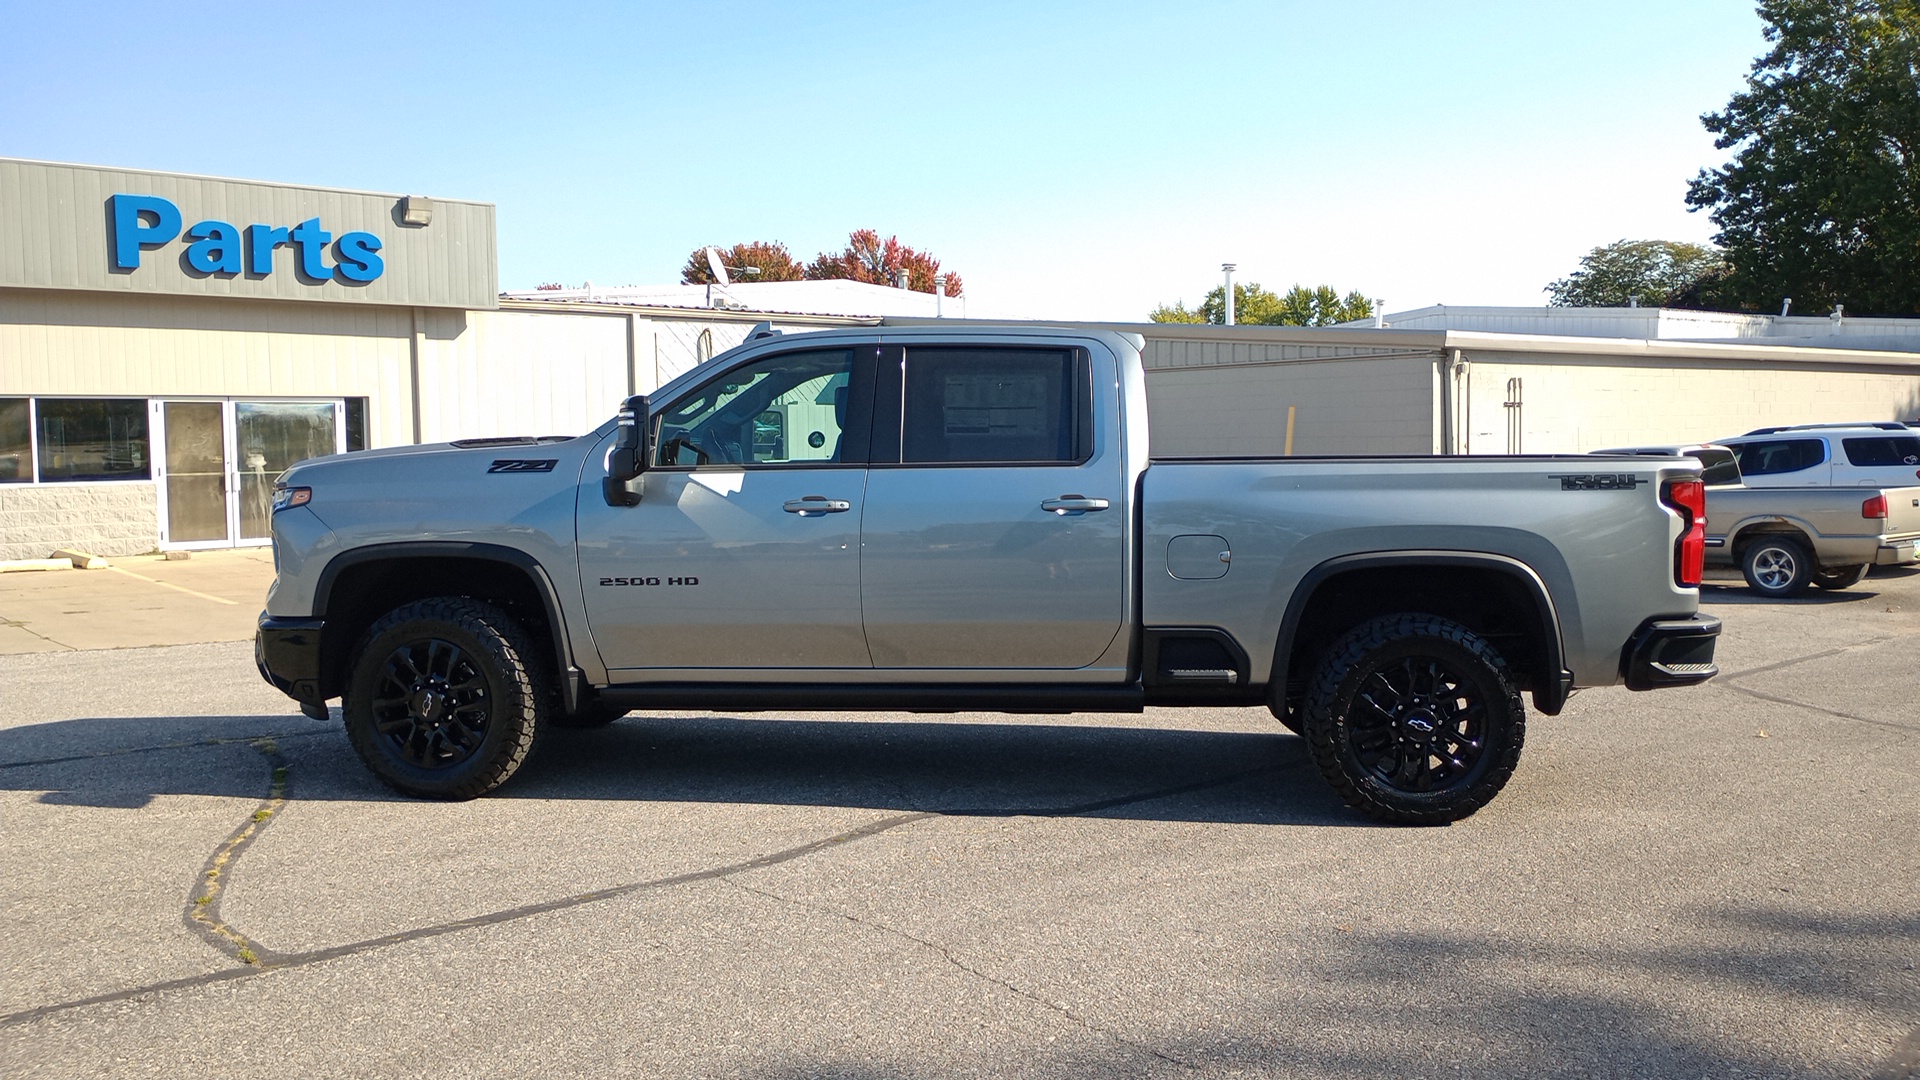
x: 118, y: 518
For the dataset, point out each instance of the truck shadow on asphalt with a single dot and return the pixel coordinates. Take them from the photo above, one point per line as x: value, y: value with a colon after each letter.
x: 905, y: 765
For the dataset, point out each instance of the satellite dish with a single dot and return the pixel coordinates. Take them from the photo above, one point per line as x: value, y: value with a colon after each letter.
x: 719, y: 268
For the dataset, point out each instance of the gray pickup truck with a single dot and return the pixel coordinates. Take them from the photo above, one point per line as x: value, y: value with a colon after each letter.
x: 1783, y: 539
x: 949, y: 519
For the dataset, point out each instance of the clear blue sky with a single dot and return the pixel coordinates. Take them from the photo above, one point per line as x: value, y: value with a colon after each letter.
x: 1069, y: 160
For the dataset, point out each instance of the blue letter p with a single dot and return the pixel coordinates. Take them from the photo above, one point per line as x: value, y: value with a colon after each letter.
x: 131, y: 230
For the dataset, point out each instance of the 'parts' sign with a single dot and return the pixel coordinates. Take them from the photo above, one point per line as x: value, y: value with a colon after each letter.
x: 146, y: 222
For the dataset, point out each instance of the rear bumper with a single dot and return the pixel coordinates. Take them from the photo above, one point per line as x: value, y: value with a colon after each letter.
x: 287, y: 652
x: 1898, y: 552
x: 1671, y: 652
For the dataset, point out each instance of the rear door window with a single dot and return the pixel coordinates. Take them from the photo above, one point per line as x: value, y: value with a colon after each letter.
x: 995, y: 406
x: 1770, y: 457
x: 1883, y: 450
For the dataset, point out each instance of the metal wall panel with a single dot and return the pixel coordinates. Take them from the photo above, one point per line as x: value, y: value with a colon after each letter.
x: 88, y: 344
x: 56, y: 233
x: 1577, y: 407
x: 492, y: 373
x: 1372, y: 406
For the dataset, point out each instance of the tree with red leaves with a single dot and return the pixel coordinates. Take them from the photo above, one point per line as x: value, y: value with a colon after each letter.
x: 772, y: 259
x: 875, y: 261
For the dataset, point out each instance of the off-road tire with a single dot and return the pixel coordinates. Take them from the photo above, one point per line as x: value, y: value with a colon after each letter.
x: 1418, y: 671
x: 1840, y: 577
x: 468, y: 740
x: 1777, y: 566
x: 591, y: 714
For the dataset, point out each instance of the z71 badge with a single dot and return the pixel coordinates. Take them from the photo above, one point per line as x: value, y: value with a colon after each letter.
x: 523, y: 465
x: 1598, y: 481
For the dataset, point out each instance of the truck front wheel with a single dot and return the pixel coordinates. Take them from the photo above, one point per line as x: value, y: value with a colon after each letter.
x: 1413, y: 720
x: 445, y: 698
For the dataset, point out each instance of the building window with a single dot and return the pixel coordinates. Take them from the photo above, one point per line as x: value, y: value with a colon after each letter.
x: 16, y: 441
x: 356, y: 424
x: 93, y: 439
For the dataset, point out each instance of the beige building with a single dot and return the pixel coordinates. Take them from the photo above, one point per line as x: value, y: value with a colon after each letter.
x: 169, y: 344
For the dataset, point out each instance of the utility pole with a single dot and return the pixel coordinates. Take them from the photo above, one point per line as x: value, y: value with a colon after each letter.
x: 1228, y: 269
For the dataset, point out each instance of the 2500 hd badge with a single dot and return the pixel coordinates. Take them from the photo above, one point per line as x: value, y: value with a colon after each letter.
x: 649, y: 581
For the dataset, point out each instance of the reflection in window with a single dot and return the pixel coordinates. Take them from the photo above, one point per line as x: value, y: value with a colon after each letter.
x: 93, y: 439
x: 785, y: 409
x: 1782, y: 456
x: 16, y: 446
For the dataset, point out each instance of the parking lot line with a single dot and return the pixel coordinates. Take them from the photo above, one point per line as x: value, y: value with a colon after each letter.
x: 177, y: 588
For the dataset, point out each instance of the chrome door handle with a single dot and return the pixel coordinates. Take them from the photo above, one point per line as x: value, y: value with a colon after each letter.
x: 816, y: 504
x: 1073, y: 504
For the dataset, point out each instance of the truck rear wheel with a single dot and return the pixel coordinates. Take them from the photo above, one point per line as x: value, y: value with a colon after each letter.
x: 1777, y: 566
x: 1414, y: 720
x: 1839, y: 577
x: 445, y: 698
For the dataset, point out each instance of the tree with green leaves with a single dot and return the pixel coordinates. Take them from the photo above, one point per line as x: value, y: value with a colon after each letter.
x: 1821, y: 201
x: 1255, y: 306
x: 771, y: 259
x: 1652, y: 273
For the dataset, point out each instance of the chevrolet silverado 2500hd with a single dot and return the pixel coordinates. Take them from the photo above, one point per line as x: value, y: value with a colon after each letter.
x: 945, y: 519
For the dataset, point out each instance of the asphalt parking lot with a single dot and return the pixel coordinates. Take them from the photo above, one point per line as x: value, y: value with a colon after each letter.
x: 1715, y: 882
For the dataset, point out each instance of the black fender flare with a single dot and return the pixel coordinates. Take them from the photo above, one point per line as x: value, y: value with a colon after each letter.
x: 571, y: 678
x: 1551, y: 686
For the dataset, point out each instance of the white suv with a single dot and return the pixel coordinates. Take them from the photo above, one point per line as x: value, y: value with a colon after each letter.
x: 1883, y: 454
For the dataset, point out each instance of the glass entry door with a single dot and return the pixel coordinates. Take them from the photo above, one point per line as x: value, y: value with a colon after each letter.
x: 222, y: 458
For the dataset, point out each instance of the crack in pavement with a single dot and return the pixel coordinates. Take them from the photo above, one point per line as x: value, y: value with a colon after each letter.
x: 188, y: 745
x: 1730, y: 680
x: 947, y: 954
x: 231, y: 942
x: 202, y: 913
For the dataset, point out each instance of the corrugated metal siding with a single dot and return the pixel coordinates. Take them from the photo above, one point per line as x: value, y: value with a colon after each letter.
x: 54, y: 234
x: 1167, y: 353
x: 1372, y: 406
x: 490, y: 373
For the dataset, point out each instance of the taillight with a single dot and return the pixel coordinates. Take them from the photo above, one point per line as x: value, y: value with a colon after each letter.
x: 1875, y: 507
x: 1690, y: 554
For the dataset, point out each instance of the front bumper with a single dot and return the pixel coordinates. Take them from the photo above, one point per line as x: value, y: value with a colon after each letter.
x: 1671, y: 652
x: 287, y: 652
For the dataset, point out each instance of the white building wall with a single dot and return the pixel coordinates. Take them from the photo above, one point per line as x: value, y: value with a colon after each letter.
x: 1575, y: 407
x: 492, y: 373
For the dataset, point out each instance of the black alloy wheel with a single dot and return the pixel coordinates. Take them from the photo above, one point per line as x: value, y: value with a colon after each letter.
x: 431, y: 704
x: 1413, y: 720
x: 445, y: 697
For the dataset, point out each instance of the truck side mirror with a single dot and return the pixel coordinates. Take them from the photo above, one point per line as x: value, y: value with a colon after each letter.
x: 630, y: 453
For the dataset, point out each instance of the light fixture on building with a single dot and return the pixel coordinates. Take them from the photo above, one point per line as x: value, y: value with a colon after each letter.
x: 416, y: 210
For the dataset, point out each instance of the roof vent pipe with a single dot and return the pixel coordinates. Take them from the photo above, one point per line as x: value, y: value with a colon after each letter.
x: 1839, y: 313
x: 1380, y: 313
x: 1786, y: 306
x: 1227, y: 269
